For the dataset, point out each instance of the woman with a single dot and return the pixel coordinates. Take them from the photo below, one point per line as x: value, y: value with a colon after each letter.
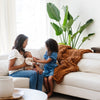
x: 17, y: 64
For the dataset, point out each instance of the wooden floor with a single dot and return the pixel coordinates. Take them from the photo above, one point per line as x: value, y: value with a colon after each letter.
x: 57, y: 96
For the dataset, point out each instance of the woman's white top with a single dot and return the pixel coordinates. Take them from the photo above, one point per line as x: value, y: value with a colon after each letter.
x: 19, y: 59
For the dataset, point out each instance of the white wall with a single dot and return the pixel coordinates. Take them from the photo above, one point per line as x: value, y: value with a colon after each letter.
x: 86, y: 9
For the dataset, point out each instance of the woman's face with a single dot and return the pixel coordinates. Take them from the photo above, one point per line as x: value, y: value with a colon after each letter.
x: 25, y: 43
x: 46, y: 47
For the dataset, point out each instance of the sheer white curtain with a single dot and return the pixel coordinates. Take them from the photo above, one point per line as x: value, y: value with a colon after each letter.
x: 7, y: 25
x: 31, y: 21
x: 27, y: 17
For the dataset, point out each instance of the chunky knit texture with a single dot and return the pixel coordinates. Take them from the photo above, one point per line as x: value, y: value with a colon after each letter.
x: 67, y: 61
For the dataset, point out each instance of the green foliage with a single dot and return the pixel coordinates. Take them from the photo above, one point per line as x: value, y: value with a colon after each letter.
x: 53, y: 12
x: 57, y: 29
x: 64, y: 30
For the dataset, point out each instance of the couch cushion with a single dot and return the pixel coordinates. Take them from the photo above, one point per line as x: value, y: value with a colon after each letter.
x: 35, y: 52
x: 42, y: 52
x: 89, y: 65
x: 95, y: 56
x: 84, y: 80
x: 3, y: 57
x: 21, y: 82
x: 3, y: 67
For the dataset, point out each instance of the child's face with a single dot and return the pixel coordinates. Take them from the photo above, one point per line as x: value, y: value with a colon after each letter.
x: 28, y: 54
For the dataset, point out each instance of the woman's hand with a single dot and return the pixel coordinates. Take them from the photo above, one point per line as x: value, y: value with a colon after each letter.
x: 39, y: 69
x: 24, y: 64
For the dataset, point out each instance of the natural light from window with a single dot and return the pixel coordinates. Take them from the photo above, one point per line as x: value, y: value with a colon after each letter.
x: 31, y: 21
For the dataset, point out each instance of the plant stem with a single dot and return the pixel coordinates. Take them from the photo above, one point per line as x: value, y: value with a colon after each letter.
x: 69, y: 39
x: 75, y: 41
x: 60, y: 38
x: 72, y: 44
x: 62, y: 34
x: 65, y: 38
x: 80, y: 45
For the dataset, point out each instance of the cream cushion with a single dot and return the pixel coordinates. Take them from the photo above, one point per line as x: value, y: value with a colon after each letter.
x: 3, y: 57
x: 95, y: 56
x: 21, y: 82
x: 35, y: 53
x: 83, y: 80
x: 3, y: 67
x: 89, y: 65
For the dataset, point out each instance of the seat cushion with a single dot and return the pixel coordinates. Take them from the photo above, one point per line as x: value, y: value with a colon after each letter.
x: 84, y: 80
x: 95, y: 56
x: 89, y: 65
x: 21, y: 82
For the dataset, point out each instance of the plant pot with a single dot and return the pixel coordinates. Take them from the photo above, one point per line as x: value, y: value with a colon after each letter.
x: 6, y: 86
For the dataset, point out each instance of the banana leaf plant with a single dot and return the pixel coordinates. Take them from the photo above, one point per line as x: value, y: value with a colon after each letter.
x: 64, y: 30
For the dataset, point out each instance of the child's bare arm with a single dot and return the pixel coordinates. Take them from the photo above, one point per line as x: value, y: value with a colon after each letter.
x: 36, y: 58
x: 43, y: 61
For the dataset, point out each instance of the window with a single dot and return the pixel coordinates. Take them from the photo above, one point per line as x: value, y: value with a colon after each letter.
x: 31, y: 21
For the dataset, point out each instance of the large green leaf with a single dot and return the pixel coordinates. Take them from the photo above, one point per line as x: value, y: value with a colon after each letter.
x: 70, y: 18
x: 87, y: 37
x: 76, y: 18
x: 85, y: 25
x: 70, y: 32
x: 82, y: 28
x: 65, y: 17
x: 57, y: 29
x: 53, y: 12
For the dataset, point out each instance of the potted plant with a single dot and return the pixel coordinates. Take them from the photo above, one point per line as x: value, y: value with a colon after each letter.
x: 64, y: 30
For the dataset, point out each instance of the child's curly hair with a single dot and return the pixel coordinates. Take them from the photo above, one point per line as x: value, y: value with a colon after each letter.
x: 52, y: 46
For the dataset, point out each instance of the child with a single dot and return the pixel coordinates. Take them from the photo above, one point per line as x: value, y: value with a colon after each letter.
x: 29, y: 58
x: 29, y: 61
x: 50, y: 58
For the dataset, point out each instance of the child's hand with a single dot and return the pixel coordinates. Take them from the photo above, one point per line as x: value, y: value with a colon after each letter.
x: 34, y: 59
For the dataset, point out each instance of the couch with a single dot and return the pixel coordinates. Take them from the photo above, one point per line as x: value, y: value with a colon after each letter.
x: 84, y: 84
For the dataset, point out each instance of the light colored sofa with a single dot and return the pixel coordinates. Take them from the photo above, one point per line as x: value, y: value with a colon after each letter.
x: 85, y: 83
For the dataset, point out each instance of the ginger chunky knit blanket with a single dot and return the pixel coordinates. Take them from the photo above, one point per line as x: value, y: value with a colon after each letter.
x: 67, y: 61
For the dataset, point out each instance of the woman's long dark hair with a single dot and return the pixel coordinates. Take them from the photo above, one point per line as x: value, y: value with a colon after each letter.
x: 52, y: 46
x: 19, y: 42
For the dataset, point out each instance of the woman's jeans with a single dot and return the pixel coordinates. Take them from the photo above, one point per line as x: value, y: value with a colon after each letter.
x: 36, y: 79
